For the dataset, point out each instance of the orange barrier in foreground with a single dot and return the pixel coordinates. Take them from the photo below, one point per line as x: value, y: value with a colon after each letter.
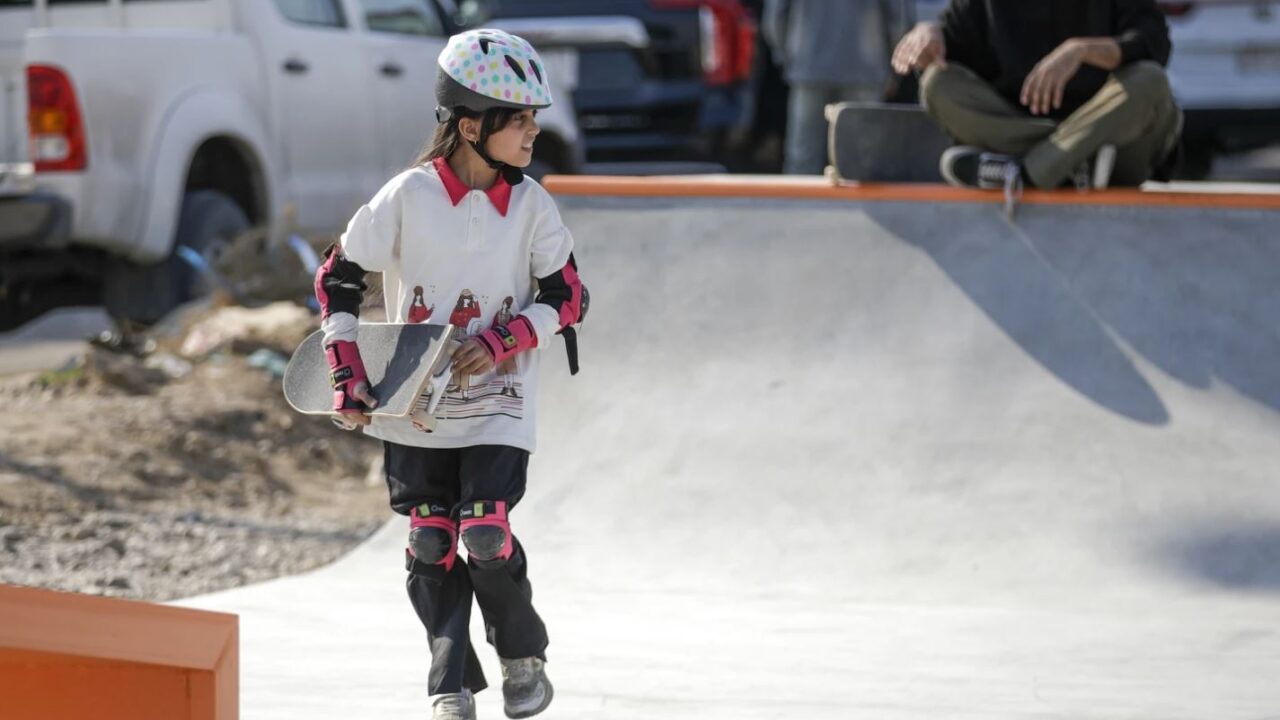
x: 65, y: 656
x: 817, y: 188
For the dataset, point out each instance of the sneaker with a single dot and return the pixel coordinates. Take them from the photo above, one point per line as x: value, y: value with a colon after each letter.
x: 965, y: 166
x: 1095, y: 174
x: 526, y: 691
x: 454, y: 706
x: 1103, y: 163
x: 1012, y: 188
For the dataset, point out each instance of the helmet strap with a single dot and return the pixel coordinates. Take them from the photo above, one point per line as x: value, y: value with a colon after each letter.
x: 513, y: 175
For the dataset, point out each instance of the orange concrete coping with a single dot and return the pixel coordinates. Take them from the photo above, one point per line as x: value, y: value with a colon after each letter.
x: 65, y: 656
x: 817, y: 188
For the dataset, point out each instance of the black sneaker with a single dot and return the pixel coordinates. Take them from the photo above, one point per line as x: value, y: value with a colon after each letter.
x: 965, y: 166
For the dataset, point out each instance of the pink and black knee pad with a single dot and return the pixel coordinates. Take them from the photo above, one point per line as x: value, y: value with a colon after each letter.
x: 486, y: 532
x: 433, y: 538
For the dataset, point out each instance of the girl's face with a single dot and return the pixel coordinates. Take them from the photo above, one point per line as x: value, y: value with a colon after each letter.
x: 513, y: 144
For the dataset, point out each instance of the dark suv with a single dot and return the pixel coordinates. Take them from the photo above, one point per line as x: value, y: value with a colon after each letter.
x: 657, y: 80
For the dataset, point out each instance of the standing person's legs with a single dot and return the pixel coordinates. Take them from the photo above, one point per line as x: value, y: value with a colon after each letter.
x: 973, y: 113
x: 493, y: 481
x: 1134, y: 111
x: 807, y: 134
x: 806, y: 149
x: 439, y: 585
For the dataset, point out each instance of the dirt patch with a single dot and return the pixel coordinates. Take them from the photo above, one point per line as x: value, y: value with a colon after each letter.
x: 167, y: 476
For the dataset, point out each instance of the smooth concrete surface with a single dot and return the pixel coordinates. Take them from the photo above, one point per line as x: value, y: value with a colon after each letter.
x: 871, y: 460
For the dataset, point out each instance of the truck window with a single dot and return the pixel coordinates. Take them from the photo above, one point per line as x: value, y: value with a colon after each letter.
x: 404, y: 17
x: 322, y: 13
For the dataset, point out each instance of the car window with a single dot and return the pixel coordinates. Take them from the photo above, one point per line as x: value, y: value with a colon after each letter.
x: 323, y: 13
x: 404, y: 17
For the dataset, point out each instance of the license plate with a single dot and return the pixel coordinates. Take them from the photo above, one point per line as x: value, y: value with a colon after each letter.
x: 1258, y: 61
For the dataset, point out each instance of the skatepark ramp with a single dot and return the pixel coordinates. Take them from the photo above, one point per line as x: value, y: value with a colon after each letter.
x: 872, y: 453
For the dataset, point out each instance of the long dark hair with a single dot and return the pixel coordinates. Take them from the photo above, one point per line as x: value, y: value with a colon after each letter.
x: 448, y: 137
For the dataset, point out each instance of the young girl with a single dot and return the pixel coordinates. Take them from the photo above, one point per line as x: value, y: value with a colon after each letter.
x: 462, y: 224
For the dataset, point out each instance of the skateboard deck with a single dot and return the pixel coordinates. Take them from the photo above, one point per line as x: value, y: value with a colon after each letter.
x: 883, y: 142
x: 408, y: 368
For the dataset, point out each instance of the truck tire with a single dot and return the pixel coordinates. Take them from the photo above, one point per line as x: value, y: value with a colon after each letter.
x: 142, y: 294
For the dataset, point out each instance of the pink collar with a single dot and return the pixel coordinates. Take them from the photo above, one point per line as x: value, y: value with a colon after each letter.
x: 499, y: 194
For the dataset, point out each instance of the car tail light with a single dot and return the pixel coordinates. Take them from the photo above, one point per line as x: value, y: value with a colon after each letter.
x: 55, y: 127
x: 728, y: 37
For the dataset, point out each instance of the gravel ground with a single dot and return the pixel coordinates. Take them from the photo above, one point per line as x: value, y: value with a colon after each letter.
x: 164, y: 478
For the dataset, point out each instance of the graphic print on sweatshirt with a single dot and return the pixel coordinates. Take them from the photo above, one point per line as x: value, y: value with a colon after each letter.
x: 418, y: 311
x: 477, y: 396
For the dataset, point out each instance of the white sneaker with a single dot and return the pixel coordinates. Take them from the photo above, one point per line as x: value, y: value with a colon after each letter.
x: 526, y: 691
x: 454, y: 706
x: 1095, y: 174
x: 1103, y: 163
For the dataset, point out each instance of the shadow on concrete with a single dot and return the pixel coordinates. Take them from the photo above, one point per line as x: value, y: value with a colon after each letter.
x: 1001, y: 268
x: 1232, y: 555
x: 1196, y: 292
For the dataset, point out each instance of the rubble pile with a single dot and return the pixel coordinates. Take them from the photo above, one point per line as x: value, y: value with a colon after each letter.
x: 169, y: 465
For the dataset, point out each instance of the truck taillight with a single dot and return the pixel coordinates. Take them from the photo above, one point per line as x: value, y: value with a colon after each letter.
x: 728, y: 37
x: 714, y: 65
x: 744, y: 49
x: 54, y: 122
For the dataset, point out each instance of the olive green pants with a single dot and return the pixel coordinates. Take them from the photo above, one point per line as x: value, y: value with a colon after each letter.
x: 1134, y: 111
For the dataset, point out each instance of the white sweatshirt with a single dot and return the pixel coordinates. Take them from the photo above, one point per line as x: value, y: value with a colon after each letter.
x: 449, y: 254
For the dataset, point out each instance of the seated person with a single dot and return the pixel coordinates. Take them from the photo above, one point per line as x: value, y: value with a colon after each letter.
x: 1047, y: 92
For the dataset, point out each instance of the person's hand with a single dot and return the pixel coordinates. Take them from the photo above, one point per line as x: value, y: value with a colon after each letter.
x: 920, y: 48
x: 472, y: 359
x: 352, y: 420
x: 1042, y: 91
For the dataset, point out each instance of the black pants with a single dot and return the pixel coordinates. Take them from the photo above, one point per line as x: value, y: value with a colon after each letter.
x: 442, y: 598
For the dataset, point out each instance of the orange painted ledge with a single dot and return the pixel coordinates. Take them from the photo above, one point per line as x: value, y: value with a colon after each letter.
x: 816, y: 188
x: 65, y: 656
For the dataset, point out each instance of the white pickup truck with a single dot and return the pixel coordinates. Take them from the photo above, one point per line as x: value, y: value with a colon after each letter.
x: 130, y: 128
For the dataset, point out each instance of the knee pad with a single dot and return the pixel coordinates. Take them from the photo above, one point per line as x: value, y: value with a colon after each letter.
x: 433, y: 536
x: 486, y: 532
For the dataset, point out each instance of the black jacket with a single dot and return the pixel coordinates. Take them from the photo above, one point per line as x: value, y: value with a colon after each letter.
x: 1002, y: 40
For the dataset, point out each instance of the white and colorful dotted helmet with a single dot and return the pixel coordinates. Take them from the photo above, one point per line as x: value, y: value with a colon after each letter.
x: 483, y: 69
